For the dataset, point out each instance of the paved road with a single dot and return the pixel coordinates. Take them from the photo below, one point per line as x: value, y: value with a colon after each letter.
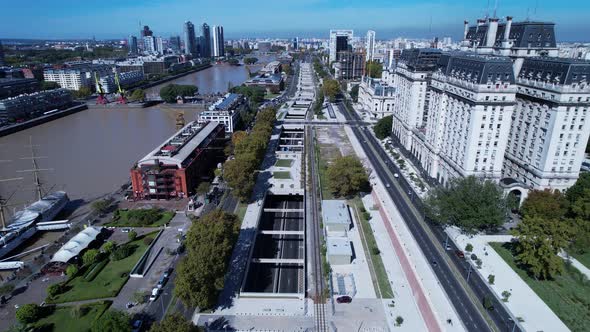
x: 409, y: 206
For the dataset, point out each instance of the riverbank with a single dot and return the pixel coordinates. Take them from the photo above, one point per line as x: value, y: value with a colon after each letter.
x: 4, y: 131
x: 170, y: 78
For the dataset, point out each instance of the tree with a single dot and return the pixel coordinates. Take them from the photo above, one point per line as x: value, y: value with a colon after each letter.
x: 581, y: 236
x: 577, y: 190
x: 491, y: 279
x: 469, y: 203
x: 131, y: 235
x: 399, y: 320
x: 374, y: 69
x: 109, y: 247
x: 49, y: 85
x: 173, y: 323
x: 137, y: 95
x: 203, y: 188
x: 383, y: 127
x: 112, y: 321
x: 581, y: 206
x: 346, y: 176
x: 233, y: 61
x: 238, y: 136
x: 101, y: 206
x: 209, y: 243
x: 478, y: 262
x: 90, y: 256
x: 331, y: 88
x: 240, y: 177
x: 83, y: 93
x: 170, y: 92
x: 72, y: 270
x: 354, y: 93
x: 55, y: 289
x: 250, y: 60
x: 539, y: 242
x: 469, y: 247
x: 28, y: 313
x: 545, y: 203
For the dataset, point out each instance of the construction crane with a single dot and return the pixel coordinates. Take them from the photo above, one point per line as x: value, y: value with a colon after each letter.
x: 101, y: 100
x: 122, y: 98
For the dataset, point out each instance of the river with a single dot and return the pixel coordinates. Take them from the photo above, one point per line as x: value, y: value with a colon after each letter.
x: 90, y: 153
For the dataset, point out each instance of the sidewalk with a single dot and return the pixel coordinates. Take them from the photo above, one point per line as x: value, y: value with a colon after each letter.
x: 431, y: 299
x: 523, y: 302
x: 405, y: 304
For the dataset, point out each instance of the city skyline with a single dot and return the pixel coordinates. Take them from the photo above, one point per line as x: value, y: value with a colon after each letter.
x: 307, y: 18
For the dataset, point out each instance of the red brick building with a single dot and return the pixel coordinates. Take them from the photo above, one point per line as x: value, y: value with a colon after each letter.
x: 175, y: 168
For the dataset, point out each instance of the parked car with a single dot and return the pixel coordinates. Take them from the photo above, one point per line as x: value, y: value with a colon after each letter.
x: 137, y: 325
x: 448, y: 246
x: 460, y: 254
x: 395, y: 175
x: 168, y: 272
x: 126, y: 230
x: 344, y: 299
x: 162, y: 282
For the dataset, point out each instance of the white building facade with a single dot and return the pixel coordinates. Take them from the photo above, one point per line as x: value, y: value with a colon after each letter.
x: 370, y: 45
x: 376, y: 97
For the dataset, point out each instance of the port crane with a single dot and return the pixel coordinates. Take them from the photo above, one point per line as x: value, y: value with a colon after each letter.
x: 122, y: 93
x: 101, y: 100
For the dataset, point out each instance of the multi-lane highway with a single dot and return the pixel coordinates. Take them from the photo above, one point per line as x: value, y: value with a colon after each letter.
x: 449, y: 269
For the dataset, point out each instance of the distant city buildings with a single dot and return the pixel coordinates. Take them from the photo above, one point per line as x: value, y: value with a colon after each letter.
x: 339, y: 41
x: 349, y: 65
x: 264, y: 47
x: 370, y: 45
x: 190, y: 40
x: 2, y: 59
x: 133, y: 47
x: 218, y: 42
x: 205, y: 41
x: 175, y: 44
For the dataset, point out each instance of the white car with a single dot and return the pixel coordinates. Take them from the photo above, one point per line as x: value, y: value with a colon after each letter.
x: 396, y: 175
x: 154, y: 295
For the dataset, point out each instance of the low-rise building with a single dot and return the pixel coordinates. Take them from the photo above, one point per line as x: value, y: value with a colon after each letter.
x: 109, y: 85
x: 175, y: 168
x: 225, y: 111
x: 11, y: 87
x: 336, y: 216
x: 77, y: 76
x: 29, y: 106
x: 272, y: 83
x: 376, y: 97
x: 339, y: 250
x: 273, y: 67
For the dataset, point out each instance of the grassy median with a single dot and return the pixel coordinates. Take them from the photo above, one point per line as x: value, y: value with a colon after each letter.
x: 372, y: 250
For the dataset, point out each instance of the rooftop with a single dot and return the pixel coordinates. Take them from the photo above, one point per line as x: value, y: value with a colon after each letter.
x: 335, y: 211
x: 339, y: 246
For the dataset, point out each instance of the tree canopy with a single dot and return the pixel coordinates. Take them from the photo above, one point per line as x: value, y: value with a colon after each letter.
x: 112, y: 321
x: 331, y: 88
x: 255, y: 94
x: 577, y: 190
x: 49, y: 85
x: 137, y: 95
x: 173, y: 323
x: 28, y: 313
x: 545, y: 203
x: 347, y: 176
x: 383, y: 127
x: 374, y: 69
x: 209, y: 244
x: 170, y: 92
x: 539, y: 241
x: 469, y: 203
x: 250, y: 60
x: 82, y: 93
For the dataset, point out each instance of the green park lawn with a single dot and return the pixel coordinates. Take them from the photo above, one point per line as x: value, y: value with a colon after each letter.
x: 568, y: 295
x: 284, y: 163
x: 108, y: 282
x: 61, y: 319
x: 281, y: 175
x: 123, y: 221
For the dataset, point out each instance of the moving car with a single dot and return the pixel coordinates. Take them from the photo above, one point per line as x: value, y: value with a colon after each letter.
x: 162, y: 282
x: 168, y: 272
x: 154, y: 295
x: 460, y: 254
x: 344, y: 299
x: 395, y: 175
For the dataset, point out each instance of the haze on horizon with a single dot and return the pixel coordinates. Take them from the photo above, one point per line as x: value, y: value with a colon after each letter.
x: 68, y: 19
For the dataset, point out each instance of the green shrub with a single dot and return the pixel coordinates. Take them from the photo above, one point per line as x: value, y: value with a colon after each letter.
x: 72, y: 270
x: 95, y: 270
x: 28, y: 313
x: 122, y: 252
x: 55, y: 289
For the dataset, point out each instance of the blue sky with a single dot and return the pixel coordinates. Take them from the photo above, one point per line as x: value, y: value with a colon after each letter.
x: 277, y: 18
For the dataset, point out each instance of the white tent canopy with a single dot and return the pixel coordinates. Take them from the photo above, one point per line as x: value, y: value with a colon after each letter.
x: 76, y: 244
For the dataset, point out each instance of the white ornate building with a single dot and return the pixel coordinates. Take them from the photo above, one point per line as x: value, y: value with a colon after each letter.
x: 376, y: 97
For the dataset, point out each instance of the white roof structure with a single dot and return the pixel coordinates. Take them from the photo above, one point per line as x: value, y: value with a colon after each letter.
x: 339, y: 246
x: 76, y: 244
x: 335, y: 211
x: 186, y: 140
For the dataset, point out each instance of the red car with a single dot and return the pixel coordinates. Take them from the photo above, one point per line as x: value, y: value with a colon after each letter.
x: 460, y: 254
x: 344, y: 299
